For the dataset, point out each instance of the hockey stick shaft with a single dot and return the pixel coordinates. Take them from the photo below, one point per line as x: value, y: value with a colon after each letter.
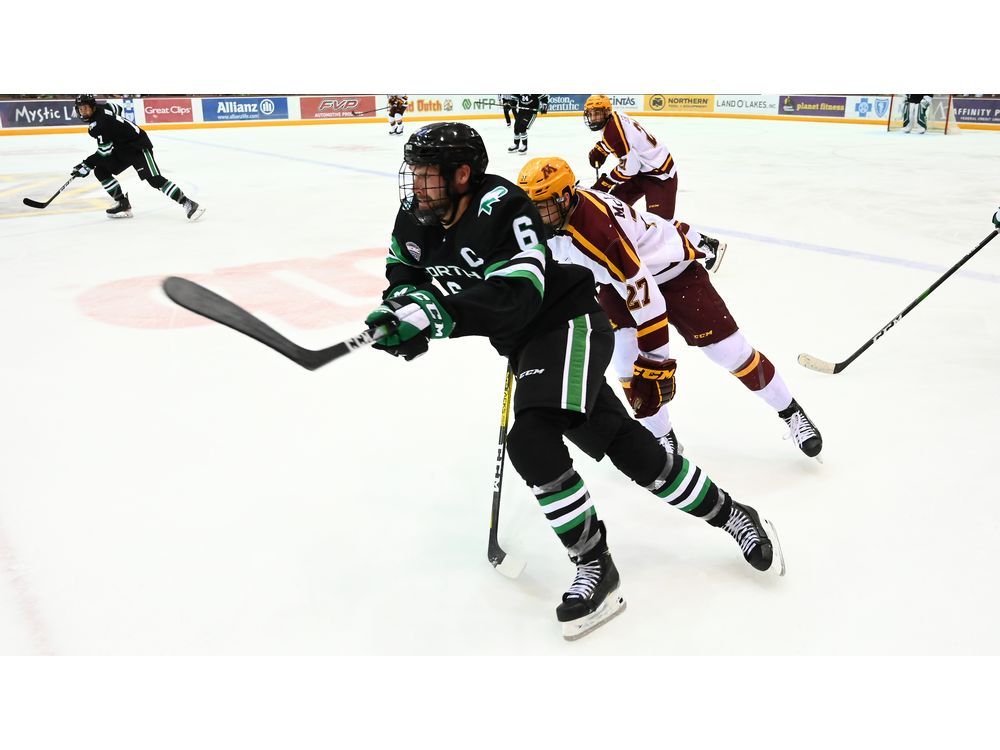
x: 495, y: 553
x: 819, y: 365
x: 368, y: 111
x: 36, y: 204
x: 208, y: 304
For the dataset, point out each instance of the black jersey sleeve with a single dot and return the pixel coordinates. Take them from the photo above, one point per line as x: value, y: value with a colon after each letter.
x: 401, y: 268
x: 514, y: 271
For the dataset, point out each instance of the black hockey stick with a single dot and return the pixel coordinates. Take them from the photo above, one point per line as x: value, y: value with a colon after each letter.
x: 504, y: 563
x: 832, y: 368
x: 36, y: 204
x: 207, y: 303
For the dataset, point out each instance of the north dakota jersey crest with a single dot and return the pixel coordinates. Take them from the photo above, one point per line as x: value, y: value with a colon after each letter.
x: 498, y: 277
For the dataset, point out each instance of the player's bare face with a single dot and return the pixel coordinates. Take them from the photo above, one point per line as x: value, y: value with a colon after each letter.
x: 86, y: 110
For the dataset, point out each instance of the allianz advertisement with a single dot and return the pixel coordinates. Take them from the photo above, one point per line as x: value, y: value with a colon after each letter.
x: 245, y: 108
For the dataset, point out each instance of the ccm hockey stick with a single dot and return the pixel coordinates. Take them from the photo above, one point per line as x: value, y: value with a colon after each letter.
x: 368, y: 111
x: 36, y: 204
x: 206, y: 303
x: 504, y: 563
x: 832, y: 368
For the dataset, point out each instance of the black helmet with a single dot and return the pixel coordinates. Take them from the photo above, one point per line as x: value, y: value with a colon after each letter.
x: 86, y: 99
x: 448, y: 145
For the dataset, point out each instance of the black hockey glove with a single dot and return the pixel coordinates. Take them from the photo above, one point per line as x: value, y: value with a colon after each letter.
x: 996, y: 219
x: 81, y: 170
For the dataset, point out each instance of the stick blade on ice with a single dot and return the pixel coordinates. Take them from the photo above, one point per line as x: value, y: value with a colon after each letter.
x: 819, y: 365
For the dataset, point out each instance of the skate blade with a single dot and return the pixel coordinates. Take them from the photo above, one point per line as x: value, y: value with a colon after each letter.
x: 197, y: 214
x: 819, y: 457
x: 613, y: 606
x: 777, y: 556
x: 122, y: 215
x: 718, y: 258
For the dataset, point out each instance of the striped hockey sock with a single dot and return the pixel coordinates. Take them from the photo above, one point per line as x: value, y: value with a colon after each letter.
x: 114, y: 189
x: 571, y: 513
x: 685, y: 486
x: 173, y: 192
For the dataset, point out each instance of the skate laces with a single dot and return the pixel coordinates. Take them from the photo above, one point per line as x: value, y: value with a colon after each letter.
x: 742, y: 528
x: 799, y: 428
x: 588, y: 575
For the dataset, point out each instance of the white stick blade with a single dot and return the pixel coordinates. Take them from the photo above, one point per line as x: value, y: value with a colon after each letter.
x: 813, y: 363
x: 512, y: 567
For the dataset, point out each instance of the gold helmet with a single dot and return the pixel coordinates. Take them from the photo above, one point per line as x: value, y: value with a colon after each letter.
x: 550, y: 183
x: 596, y: 111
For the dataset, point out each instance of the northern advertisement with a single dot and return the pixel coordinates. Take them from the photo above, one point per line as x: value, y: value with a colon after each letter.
x: 680, y: 102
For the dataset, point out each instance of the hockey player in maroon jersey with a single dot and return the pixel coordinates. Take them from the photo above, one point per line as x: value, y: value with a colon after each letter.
x: 122, y: 144
x: 468, y: 258
x: 646, y: 271
x: 645, y: 166
x: 397, y: 106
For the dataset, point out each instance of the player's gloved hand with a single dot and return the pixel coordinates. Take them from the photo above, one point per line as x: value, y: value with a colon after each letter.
x: 543, y: 109
x: 81, y: 170
x: 604, y: 184
x: 996, y: 219
x: 652, y: 385
x: 409, y: 317
x: 596, y: 157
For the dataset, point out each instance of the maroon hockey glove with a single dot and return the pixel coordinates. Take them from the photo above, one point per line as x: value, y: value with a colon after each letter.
x: 597, y: 156
x: 604, y: 184
x: 652, y: 385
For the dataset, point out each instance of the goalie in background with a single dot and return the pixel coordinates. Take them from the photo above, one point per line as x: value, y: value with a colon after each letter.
x: 122, y: 144
x: 915, y: 110
x: 646, y: 270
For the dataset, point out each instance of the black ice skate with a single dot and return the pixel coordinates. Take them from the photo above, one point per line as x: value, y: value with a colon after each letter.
x: 802, y: 430
x: 524, y: 147
x: 671, y: 444
x: 715, y: 250
x: 760, y: 547
x: 513, y: 149
x: 192, y: 209
x: 121, y: 210
x: 592, y: 599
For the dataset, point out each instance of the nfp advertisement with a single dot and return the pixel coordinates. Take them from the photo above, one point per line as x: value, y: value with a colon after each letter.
x: 38, y: 114
x: 245, y: 108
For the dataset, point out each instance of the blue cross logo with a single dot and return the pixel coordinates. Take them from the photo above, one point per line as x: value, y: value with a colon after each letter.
x: 863, y: 107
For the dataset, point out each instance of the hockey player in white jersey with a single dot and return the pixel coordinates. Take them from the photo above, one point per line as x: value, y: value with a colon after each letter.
x: 646, y: 268
x: 645, y: 166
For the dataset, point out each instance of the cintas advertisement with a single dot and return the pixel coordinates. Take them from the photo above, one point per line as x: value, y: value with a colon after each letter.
x: 231, y: 109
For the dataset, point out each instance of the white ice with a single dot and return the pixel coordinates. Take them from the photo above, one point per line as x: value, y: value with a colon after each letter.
x: 172, y: 487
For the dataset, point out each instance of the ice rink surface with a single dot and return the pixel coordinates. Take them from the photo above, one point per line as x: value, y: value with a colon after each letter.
x: 172, y: 487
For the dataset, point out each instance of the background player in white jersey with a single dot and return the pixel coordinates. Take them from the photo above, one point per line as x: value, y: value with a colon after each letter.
x: 645, y: 166
x: 915, y: 110
x: 647, y: 271
x: 397, y: 106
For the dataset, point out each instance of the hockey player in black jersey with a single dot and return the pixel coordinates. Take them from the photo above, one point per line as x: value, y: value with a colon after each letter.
x: 526, y: 108
x: 122, y: 144
x: 468, y: 258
